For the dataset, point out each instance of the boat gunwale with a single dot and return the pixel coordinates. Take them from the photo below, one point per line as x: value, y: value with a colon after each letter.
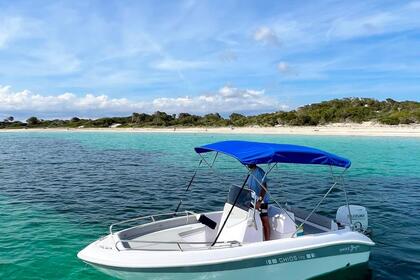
x: 224, y: 245
x: 241, y: 258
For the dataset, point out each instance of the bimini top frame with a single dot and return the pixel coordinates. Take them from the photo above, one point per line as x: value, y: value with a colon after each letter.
x: 263, y: 153
x: 254, y: 153
x: 247, y: 152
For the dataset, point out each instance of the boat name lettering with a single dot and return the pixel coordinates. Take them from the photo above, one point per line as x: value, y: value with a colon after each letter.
x: 292, y: 258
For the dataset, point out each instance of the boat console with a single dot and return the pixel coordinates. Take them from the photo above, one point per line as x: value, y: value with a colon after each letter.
x: 244, y: 223
x: 241, y: 221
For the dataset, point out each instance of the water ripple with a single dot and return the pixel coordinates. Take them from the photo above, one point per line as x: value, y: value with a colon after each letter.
x: 60, y: 191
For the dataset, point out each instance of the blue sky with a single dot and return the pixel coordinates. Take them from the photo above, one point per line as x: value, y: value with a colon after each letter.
x: 102, y: 58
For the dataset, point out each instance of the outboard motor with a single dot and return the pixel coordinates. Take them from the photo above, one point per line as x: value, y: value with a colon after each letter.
x: 359, y: 217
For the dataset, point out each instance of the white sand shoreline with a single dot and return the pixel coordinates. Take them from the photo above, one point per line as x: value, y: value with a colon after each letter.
x: 327, y: 130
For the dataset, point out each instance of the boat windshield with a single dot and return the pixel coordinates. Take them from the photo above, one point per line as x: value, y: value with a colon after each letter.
x: 245, y: 199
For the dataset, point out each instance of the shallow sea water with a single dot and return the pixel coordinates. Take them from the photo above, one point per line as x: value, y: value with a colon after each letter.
x: 59, y: 191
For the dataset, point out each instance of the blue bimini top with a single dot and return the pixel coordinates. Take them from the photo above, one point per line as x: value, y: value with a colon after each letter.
x: 260, y: 153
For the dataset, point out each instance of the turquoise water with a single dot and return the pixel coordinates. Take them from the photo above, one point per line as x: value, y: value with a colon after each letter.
x: 60, y: 191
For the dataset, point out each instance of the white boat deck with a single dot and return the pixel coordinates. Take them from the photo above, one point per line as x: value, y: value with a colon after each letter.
x: 168, y: 239
x: 185, y: 237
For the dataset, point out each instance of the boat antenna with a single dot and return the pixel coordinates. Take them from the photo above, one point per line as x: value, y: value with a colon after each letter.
x: 346, y: 197
x: 188, y: 187
x: 341, y: 178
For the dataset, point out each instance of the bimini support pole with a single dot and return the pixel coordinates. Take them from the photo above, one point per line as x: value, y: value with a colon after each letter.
x: 189, y: 185
x: 231, y: 209
x: 207, y: 163
x: 341, y: 177
x: 269, y: 194
x: 347, y: 199
x: 316, y: 207
x: 211, y: 165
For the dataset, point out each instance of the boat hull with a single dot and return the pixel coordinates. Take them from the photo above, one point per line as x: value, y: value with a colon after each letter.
x: 294, y: 265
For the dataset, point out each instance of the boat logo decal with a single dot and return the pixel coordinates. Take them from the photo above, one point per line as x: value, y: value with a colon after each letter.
x: 349, y: 249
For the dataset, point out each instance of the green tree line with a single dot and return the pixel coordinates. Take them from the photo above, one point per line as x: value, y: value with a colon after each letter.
x: 354, y: 110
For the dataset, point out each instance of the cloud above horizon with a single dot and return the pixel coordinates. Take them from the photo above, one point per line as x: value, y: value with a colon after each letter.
x: 23, y: 104
x: 266, y: 36
x: 9, y: 28
x: 177, y: 53
x: 178, y: 65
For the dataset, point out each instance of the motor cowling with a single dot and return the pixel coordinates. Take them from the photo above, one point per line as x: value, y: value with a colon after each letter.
x: 359, y: 217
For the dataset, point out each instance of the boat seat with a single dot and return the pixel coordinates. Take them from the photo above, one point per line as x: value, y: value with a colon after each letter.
x: 196, y: 234
x: 193, y: 230
x: 171, y: 234
x: 145, y: 229
x: 317, y: 220
x: 282, y: 223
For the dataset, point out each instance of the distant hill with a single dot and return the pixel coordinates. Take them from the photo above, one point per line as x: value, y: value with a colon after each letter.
x: 346, y: 110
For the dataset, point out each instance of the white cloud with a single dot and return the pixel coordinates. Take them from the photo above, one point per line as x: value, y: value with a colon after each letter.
x: 56, y: 61
x: 27, y: 102
x: 286, y: 70
x: 228, y: 56
x: 9, y: 29
x: 300, y: 31
x: 381, y: 22
x: 370, y: 25
x: 415, y: 5
x: 266, y: 36
x: 178, y: 65
x: 16, y: 27
x: 227, y: 99
x: 284, y: 67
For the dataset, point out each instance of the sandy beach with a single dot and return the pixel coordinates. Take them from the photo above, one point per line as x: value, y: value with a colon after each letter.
x: 341, y: 129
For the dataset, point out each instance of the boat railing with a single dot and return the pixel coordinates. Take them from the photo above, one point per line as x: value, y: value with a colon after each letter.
x: 152, y: 218
x: 217, y: 245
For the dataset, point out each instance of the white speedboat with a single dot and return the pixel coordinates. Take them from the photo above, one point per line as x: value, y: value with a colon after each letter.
x: 229, y: 244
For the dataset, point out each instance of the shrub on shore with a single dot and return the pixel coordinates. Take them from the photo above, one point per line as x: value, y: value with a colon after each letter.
x: 354, y: 110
